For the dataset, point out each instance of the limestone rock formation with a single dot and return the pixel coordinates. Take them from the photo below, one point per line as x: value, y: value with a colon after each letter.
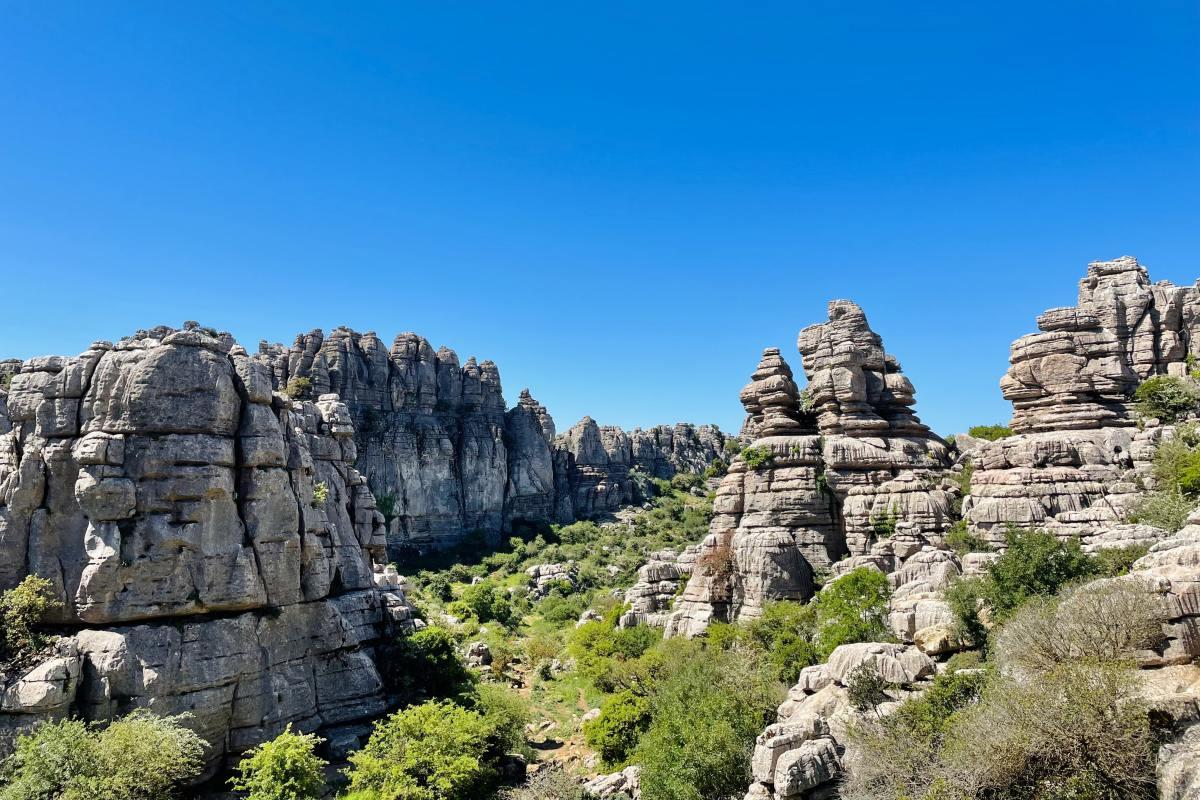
x: 1071, y: 467
x: 445, y: 457
x: 211, y: 543
x: 830, y: 472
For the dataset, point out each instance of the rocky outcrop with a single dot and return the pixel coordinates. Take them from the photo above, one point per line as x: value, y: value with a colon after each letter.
x: 658, y: 582
x: 830, y: 472
x: 1071, y: 467
x: 212, y: 546
x: 446, y: 459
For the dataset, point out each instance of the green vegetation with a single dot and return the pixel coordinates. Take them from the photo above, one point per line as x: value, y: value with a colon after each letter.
x: 962, y: 541
x: 1167, y: 398
x: 758, y: 457
x: 1176, y: 481
x: 139, y: 757
x: 989, y: 432
x: 386, y: 504
x: 1063, y: 719
x: 285, y: 768
x: 853, y: 608
x: 21, y: 609
x: 320, y: 494
x: 298, y: 389
x: 883, y: 525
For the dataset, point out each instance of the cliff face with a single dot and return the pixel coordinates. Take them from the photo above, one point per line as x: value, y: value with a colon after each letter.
x: 212, y: 546
x: 1071, y: 467
x: 832, y: 467
x: 434, y: 438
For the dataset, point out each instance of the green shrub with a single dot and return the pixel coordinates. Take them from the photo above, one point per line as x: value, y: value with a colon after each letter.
x: 883, y: 525
x: 686, y: 481
x: 386, y: 504
x: 614, y: 735
x: 758, y: 457
x: 1168, y: 509
x: 784, y: 633
x: 434, y: 751
x: 716, y: 469
x: 486, y: 602
x: 705, y: 713
x: 320, y: 494
x: 1034, y: 564
x: 424, y: 665
x: 139, y: 757
x: 989, y: 433
x: 853, y: 608
x: 505, y: 715
x: 552, y: 782
x: 298, y: 388
x: 285, y: 768
x: 21, y: 609
x: 962, y: 541
x: 865, y: 687
x: 1166, y: 398
x: 1112, y: 562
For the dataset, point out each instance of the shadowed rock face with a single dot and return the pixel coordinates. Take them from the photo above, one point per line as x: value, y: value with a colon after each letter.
x: 434, y: 438
x: 211, y: 543
x: 1071, y: 466
x: 838, y: 460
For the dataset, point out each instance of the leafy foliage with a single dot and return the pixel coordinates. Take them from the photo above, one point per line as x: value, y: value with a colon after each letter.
x: 320, y: 494
x: 758, y: 457
x: 425, y: 665
x: 298, y: 388
x: 139, y: 757
x: 1166, y: 398
x: 989, y: 433
x: 285, y: 768
x: 853, y: 608
x: 21, y: 609
x: 624, y: 717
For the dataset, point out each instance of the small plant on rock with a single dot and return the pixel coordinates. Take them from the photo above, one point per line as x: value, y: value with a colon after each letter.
x: 758, y: 457
x: 320, y: 494
x: 990, y: 433
x: 21, y: 609
x: 298, y: 388
x: 1166, y: 398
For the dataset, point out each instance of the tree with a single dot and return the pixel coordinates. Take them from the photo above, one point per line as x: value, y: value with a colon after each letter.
x: 434, y: 751
x: 852, y: 608
x: 425, y: 664
x: 1166, y: 398
x: 614, y: 735
x: 285, y: 768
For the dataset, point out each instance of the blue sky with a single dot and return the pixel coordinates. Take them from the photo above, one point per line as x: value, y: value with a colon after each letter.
x: 619, y: 203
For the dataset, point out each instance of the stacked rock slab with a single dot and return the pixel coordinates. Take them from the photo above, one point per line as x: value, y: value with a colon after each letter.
x: 1070, y: 466
x: 212, y: 546
x: 435, y: 440
x: 833, y: 466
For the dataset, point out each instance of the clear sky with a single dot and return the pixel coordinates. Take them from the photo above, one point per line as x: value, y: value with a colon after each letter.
x: 621, y: 203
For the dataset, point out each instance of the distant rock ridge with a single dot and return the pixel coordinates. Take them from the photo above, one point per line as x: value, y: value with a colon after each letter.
x: 838, y: 469
x: 435, y: 439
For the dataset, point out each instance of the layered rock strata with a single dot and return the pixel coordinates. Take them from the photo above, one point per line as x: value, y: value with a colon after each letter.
x: 210, y: 543
x: 1071, y: 466
x: 446, y: 458
x: 829, y: 472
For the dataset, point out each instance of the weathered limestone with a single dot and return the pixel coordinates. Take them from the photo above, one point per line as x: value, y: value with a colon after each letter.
x: 658, y: 582
x: 212, y: 546
x: 836, y: 469
x: 1071, y: 467
x: 447, y: 460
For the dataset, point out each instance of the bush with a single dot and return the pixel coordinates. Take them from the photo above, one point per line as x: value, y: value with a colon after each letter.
x: 759, y: 457
x: 298, y: 388
x: 705, y: 712
x: 386, y: 504
x: 614, y: 735
x: 552, y: 782
x: 962, y: 541
x: 716, y: 469
x: 139, y: 757
x: 434, y: 751
x: 486, y: 602
x: 686, y: 481
x: 1166, y: 398
x: 1167, y: 509
x: 505, y: 716
x: 865, y: 687
x: 21, y: 609
x: 989, y: 433
x: 1101, y: 621
x: 1113, y: 562
x: 784, y: 633
x: 285, y: 768
x: 425, y: 665
x: 853, y: 608
x: 320, y: 494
